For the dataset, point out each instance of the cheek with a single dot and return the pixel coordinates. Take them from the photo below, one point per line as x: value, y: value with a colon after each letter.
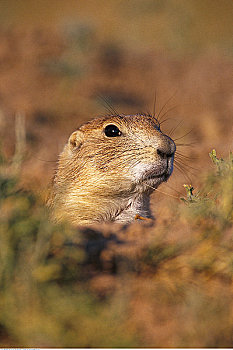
x: 138, y: 171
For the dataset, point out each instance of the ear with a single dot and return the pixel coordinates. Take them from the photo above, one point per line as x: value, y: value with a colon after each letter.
x: 76, y: 139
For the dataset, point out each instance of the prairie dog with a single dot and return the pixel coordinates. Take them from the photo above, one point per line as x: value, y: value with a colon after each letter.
x: 108, y: 169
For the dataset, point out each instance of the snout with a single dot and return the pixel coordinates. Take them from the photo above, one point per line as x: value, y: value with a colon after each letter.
x: 156, y: 161
x: 166, y: 148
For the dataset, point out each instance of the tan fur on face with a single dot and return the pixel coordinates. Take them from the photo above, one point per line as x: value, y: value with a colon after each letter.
x: 102, y: 178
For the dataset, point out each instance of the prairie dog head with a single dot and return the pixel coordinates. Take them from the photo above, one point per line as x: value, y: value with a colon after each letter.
x: 110, y: 161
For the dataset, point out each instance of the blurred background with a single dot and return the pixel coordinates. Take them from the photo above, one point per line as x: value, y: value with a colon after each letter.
x: 59, y: 61
x: 62, y: 63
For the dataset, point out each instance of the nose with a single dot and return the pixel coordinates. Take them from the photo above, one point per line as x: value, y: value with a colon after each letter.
x: 167, y: 148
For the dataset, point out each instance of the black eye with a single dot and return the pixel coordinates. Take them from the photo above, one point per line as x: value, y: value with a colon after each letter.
x: 112, y: 130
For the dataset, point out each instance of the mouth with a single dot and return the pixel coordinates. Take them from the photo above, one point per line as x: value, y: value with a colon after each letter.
x: 152, y: 175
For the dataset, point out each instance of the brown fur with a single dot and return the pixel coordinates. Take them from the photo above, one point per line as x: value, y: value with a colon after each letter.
x: 102, y: 178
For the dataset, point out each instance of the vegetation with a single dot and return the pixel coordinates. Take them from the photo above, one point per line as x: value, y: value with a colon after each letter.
x: 60, y: 286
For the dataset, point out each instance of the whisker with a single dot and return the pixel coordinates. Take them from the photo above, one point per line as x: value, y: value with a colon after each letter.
x: 154, y: 106
x: 183, y: 135
x: 171, y: 188
x: 180, y: 169
x: 165, y: 105
x: 186, y: 144
x: 169, y: 110
x: 173, y: 130
x: 184, y: 156
x: 187, y: 166
x: 187, y: 174
x: 165, y: 120
x: 167, y: 194
x: 183, y: 173
x: 108, y: 105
